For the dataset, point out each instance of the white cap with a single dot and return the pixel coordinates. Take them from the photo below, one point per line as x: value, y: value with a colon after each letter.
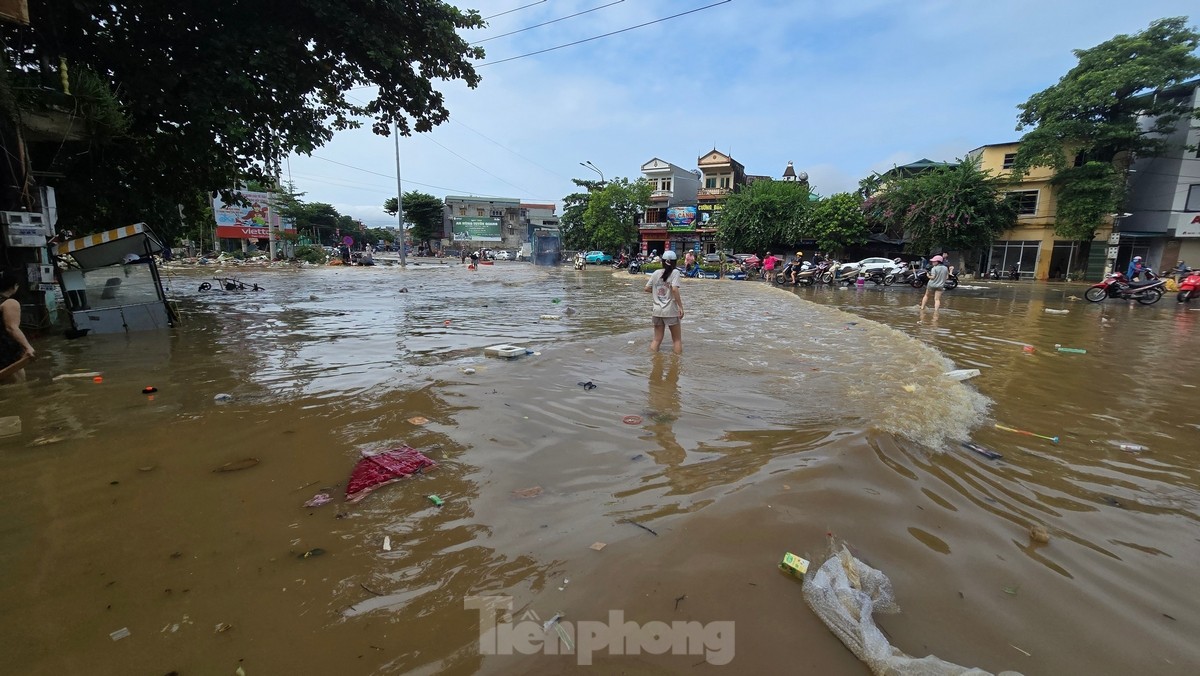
x: 668, y: 256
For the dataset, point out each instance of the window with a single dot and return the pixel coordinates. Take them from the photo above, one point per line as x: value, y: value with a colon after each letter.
x: 710, y: 182
x: 725, y: 180
x: 1193, y: 200
x: 665, y: 186
x: 496, y: 213
x: 1079, y: 160
x: 1026, y: 201
x: 479, y: 212
x: 1009, y: 160
x: 462, y: 211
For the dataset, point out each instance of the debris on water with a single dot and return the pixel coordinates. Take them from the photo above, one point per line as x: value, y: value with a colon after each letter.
x: 1026, y: 654
x: 1028, y: 349
x: 1012, y: 591
x: 570, y: 311
x: 244, y: 463
x: 588, y: 350
x: 1074, y: 350
x: 648, y: 530
x: 404, y: 289
x: 239, y: 672
x: 67, y: 376
x: 555, y: 300
x: 632, y: 342
x: 10, y: 425
x: 381, y: 469
x: 418, y: 420
x: 438, y: 502
x: 794, y: 565
x: 313, y: 296
x: 549, y: 317
x: 589, y: 385
x: 531, y: 492
x: 1039, y: 534
x: 318, y: 500
x: 632, y: 420
x: 982, y: 450
x: 1129, y: 447
x: 387, y: 543
x: 637, y: 457
x: 1057, y: 312
x: 598, y: 546
x: 147, y: 468
x: 222, y: 627
x: 119, y: 634
x: 149, y: 389
x: 467, y: 370
x: 315, y: 551
x: 223, y: 398
x: 910, y: 388
x: 962, y: 374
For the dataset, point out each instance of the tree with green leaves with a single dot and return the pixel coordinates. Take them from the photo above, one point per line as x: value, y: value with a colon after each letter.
x: 835, y: 222
x: 1089, y: 127
x: 947, y: 208
x: 763, y: 215
x: 610, y: 219
x: 423, y: 213
x: 571, y: 227
x: 213, y: 94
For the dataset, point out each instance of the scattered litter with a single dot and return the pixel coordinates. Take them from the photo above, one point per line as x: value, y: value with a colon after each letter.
x: 551, y: 317
x: 438, y: 502
x: 1011, y: 591
x: 467, y: 370
x: 588, y: 350
x: 318, y: 500
x: 67, y: 376
x: 1074, y: 350
x: 1039, y: 534
x: 381, y: 469
x: 962, y: 374
x: 1129, y: 447
x: 315, y: 551
x: 598, y: 546
x: 632, y: 342
x: 222, y: 627
x: 222, y: 398
x: 637, y: 457
x: 150, y: 389
x: 119, y: 634
x: 1057, y: 312
x: 1028, y: 349
x: 794, y: 565
x: 648, y: 530
x: 504, y: 351
x: 910, y: 388
x: 570, y: 311
x: 97, y: 379
x: 446, y: 323
x: 387, y: 543
x: 551, y: 622
x: 844, y: 593
x: 589, y: 385
x: 418, y: 420
x: 531, y: 492
x: 982, y: 450
x: 555, y: 300
x: 244, y: 463
x: 404, y: 289
x: 1019, y: 650
x: 632, y: 420
x: 10, y: 425
x: 564, y: 585
x: 1030, y: 434
x: 147, y: 468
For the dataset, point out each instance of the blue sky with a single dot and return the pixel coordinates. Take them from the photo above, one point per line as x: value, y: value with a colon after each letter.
x: 840, y: 87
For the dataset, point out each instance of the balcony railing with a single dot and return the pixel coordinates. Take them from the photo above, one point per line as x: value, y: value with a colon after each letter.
x: 653, y: 226
x: 714, y: 192
x: 661, y: 194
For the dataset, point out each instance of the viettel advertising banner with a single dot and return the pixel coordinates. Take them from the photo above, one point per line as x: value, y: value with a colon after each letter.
x: 248, y: 221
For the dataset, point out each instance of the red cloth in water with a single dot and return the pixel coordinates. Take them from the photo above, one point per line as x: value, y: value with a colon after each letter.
x: 381, y: 469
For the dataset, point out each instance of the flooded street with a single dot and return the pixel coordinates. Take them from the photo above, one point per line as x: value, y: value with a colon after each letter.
x: 792, y: 415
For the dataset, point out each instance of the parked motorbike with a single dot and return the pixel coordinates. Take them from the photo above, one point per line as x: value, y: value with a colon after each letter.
x: 881, y: 277
x: 845, y: 273
x: 921, y: 278
x: 635, y: 266
x: 1115, y: 285
x: 806, y: 275
x: 1189, y: 287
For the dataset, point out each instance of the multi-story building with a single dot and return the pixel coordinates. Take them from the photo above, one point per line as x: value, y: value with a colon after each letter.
x: 1163, y: 221
x: 541, y: 234
x: 1032, y: 244
x: 484, y: 222
x: 671, y: 219
x: 720, y: 177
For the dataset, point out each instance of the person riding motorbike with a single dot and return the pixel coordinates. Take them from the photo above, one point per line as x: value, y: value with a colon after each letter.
x: 1135, y: 269
x: 794, y: 266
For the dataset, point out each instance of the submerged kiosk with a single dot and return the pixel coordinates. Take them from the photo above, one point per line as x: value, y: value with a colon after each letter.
x: 112, y: 284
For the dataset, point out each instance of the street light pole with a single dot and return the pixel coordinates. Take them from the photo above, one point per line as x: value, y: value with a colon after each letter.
x: 399, y: 197
x: 591, y: 166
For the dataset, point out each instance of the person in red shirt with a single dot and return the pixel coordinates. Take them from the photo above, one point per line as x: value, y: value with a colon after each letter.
x: 768, y: 266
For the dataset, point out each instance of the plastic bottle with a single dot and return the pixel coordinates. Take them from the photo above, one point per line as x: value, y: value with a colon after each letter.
x: 1132, y: 448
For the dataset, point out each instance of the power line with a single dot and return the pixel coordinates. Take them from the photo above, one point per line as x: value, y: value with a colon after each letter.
x: 516, y: 9
x: 434, y: 141
x: 597, y: 37
x: 547, y: 23
x: 389, y: 191
x: 545, y: 169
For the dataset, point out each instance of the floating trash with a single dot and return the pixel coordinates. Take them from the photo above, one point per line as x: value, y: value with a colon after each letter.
x: 632, y: 420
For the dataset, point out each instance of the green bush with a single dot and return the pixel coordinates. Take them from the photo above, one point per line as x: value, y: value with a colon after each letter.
x: 710, y: 267
x: 651, y: 267
x: 310, y: 254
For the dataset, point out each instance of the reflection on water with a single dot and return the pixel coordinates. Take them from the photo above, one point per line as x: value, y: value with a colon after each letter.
x: 114, y: 518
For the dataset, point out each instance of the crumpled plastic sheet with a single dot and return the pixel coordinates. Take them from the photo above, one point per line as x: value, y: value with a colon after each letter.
x: 376, y: 471
x: 845, y: 593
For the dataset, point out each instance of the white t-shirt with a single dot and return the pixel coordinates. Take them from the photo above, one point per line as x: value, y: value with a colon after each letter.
x: 664, y: 300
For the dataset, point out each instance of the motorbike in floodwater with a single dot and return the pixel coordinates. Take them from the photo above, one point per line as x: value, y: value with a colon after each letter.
x: 921, y: 278
x: 1115, y: 285
x: 1189, y: 287
x: 806, y: 275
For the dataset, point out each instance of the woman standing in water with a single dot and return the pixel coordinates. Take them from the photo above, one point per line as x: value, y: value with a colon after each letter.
x: 13, y: 343
x: 668, y: 305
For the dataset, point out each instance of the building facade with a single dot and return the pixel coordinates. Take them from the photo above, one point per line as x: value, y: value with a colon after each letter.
x: 1032, y: 245
x: 484, y: 222
x: 720, y: 177
x: 670, y: 222
x: 1163, y: 220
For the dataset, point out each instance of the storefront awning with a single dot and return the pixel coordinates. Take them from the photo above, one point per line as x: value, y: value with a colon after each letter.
x: 111, y: 247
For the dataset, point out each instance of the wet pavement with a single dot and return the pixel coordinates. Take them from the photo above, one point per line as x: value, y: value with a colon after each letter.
x: 792, y: 415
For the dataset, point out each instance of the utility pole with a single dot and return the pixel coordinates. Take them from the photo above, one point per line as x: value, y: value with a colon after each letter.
x: 399, y: 197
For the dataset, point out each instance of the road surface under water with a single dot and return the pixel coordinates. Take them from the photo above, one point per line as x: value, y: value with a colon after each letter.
x: 792, y: 416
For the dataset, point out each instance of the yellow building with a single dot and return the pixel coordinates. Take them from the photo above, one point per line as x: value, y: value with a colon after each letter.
x: 1032, y: 244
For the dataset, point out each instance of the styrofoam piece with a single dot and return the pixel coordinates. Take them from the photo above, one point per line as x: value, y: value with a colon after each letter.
x: 962, y: 374
x: 505, y: 351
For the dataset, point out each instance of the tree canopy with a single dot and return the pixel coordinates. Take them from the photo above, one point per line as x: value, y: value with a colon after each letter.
x: 835, y: 222
x: 209, y: 94
x: 947, y: 208
x: 612, y: 213
x: 763, y: 215
x: 570, y: 226
x: 423, y: 213
x: 1089, y: 127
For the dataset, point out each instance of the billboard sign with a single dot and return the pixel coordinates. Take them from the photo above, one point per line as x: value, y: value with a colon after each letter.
x: 709, y: 213
x: 476, y: 229
x: 682, y: 218
x: 248, y: 221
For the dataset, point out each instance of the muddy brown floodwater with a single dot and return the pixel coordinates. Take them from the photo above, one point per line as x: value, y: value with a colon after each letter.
x: 791, y: 417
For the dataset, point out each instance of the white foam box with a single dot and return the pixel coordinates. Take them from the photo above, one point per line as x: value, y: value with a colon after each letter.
x: 505, y: 351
